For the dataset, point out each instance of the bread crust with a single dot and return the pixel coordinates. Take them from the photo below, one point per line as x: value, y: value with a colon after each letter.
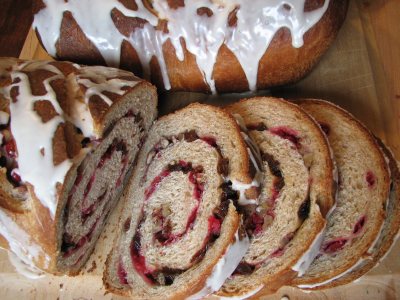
x: 321, y: 105
x: 251, y: 110
x: 195, y: 281
x: 31, y: 215
x: 388, y: 233
x: 281, y: 63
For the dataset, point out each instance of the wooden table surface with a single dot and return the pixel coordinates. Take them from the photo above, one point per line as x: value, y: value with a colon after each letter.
x: 380, y: 45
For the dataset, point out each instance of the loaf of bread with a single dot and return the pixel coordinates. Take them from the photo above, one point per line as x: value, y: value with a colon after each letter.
x: 206, y: 46
x: 180, y: 233
x: 362, y: 226
x: 69, y: 136
x: 286, y: 225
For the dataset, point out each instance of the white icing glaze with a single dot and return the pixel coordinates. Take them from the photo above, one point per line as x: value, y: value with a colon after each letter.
x: 28, y: 270
x: 34, y: 139
x: 224, y: 267
x: 25, y: 251
x: 305, y: 261
x: 244, y: 296
x: 4, y: 117
x: 252, y: 150
x: 308, y: 257
x: 203, y: 35
x: 32, y: 135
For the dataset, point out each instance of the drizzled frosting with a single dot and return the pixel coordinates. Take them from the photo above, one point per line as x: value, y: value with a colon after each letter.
x: 224, y: 267
x: 24, y: 250
x: 204, y: 34
x: 34, y: 138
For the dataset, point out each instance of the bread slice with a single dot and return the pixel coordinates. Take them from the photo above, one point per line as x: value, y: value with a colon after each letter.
x: 350, y: 239
x: 180, y: 228
x: 69, y: 136
x: 297, y: 192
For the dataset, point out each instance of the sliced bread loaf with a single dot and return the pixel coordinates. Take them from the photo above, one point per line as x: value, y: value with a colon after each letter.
x: 297, y: 191
x: 352, y: 236
x: 180, y: 232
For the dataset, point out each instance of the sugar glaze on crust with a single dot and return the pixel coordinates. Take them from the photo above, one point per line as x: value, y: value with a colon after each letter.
x: 202, y: 26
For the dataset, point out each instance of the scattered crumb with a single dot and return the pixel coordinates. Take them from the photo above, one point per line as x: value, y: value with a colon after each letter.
x: 92, y: 268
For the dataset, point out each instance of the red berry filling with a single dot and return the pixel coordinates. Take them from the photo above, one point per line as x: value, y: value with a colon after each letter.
x: 11, y: 149
x: 210, y: 140
x: 334, y: 245
x: 164, y: 236
x: 139, y: 261
x: 154, y: 184
x: 370, y: 178
x: 122, y: 274
x: 359, y: 225
x: 287, y: 133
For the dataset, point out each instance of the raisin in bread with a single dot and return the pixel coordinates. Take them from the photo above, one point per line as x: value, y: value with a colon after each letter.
x: 69, y: 136
x: 180, y: 231
x: 351, y: 238
x: 204, y: 46
x: 297, y: 192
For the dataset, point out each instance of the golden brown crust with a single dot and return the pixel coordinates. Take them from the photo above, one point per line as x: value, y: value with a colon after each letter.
x: 389, y: 231
x: 315, y: 105
x: 326, y: 190
x: 31, y: 215
x: 281, y: 63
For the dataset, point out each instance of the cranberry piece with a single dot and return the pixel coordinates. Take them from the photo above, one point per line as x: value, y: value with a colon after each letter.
x: 139, y: 261
x: 214, y: 226
x: 10, y: 149
x: 122, y: 275
x: 156, y: 181
x: 287, y: 133
x: 334, y: 246
x: 257, y: 223
x: 359, y: 225
x: 210, y: 140
x: 277, y: 253
x: 370, y: 178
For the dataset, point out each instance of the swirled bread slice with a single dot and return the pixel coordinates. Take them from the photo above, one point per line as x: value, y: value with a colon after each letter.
x: 296, y: 194
x: 352, y: 234
x: 180, y: 231
x: 69, y: 136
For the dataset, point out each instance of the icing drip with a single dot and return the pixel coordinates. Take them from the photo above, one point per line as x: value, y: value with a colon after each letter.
x: 32, y: 135
x: 25, y: 251
x: 203, y: 34
x: 34, y: 138
x: 224, y: 267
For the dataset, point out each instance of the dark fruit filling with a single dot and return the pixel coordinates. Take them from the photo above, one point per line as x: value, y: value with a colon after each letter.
x: 325, y: 128
x: 139, y: 261
x: 68, y: 246
x: 370, y: 178
x: 259, y: 127
x: 287, y: 134
x: 304, y: 210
